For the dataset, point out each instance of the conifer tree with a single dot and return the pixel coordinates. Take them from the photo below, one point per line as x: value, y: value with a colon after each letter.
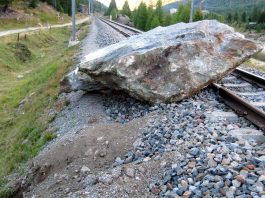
x: 229, y: 18
x: 159, y: 11
x: 255, y: 14
x: 33, y: 3
x: 126, y: 9
x: 198, y: 16
x: 236, y: 17
x: 262, y: 18
x: 113, y: 14
x: 150, y: 14
x: 183, y: 14
x: 5, y: 3
x: 244, y: 17
x: 112, y: 6
x: 141, y: 16
x: 155, y: 22
x: 168, y: 20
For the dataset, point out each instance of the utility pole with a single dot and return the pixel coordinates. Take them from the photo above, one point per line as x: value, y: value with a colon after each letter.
x: 91, y: 6
x: 73, y: 21
x: 88, y: 3
x: 191, y: 11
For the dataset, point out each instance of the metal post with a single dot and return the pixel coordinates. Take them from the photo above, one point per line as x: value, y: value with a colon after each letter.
x: 91, y: 5
x: 73, y: 21
x: 191, y: 11
x: 88, y: 1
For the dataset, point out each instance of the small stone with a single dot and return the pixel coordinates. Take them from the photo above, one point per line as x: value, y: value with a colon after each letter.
x: 184, y: 184
x: 251, y: 166
x: 157, y: 157
x: 147, y: 159
x: 236, y: 183
x: 217, y: 178
x: 163, y: 164
x: 173, y: 142
x: 240, y: 178
x: 155, y: 190
x: 230, y: 194
x: 226, y: 161
x: 244, y: 173
x: 116, y: 172
x: 194, y: 151
x: 174, y: 166
x: 229, y: 175
x: 85, y: 169
x: 190, y: 180
x: 234, y: 164
x: 130, y: 172
x: 259, y: 187
x: 105, y: 178
x: 191, y: 164
x: 186, y: 194
x: 192, y: 188
x: 212, y: 163
x: 119, y: 161
x: 236, y: 157
x: 67, y: 190
x: 141, y: 169
x: 261, y: 178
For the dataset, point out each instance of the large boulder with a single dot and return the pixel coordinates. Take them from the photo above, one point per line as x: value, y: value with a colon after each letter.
x: 170, y: 63
x: 123, y: 19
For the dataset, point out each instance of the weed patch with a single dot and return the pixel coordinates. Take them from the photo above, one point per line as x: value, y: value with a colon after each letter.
x: 21, y: 51
x: 22, y: 130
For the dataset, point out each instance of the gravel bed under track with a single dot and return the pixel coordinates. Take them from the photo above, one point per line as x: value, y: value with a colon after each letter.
x: 214, y: 162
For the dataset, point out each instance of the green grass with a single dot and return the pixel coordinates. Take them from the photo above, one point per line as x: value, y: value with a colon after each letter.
x: 41, y: 15
x: 261, y: 56
x: 23, y: 127
x: 260, y: 65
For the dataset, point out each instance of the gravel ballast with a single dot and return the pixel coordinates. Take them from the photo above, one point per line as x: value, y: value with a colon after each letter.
x: 198, y: 133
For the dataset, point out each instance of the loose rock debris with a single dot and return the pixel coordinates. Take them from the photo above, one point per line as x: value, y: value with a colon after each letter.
x: 182, y: 149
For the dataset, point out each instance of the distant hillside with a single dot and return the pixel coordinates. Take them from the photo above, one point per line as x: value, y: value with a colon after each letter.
x: 221, y: 6
x: 97, y: 6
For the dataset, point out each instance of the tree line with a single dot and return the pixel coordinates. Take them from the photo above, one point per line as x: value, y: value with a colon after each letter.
x: 254, y: 19
x: 148, y: 17
x: 60, y: 5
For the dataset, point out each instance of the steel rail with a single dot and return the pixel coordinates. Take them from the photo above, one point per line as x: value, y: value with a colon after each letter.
x: 240, y: 106
x: 249, y: 77
x: 124, y: 26
x: 115, y: 28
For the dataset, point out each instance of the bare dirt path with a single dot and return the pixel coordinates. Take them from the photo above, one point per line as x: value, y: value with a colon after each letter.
x: 32, y: 29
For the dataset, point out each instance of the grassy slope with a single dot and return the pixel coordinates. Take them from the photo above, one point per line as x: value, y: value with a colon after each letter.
x: 22, y: 130
x: 41, y: 15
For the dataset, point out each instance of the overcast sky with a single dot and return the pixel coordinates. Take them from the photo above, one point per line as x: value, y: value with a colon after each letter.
x: 135, y: 3
x: 120, y: 3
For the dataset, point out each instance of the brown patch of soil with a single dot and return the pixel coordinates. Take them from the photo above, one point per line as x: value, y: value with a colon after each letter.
x: 9, y: 13
x: 96, y: 147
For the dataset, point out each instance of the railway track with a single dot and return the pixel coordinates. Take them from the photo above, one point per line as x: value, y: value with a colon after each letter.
x: 243, y: 91
x: 125, y: 30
